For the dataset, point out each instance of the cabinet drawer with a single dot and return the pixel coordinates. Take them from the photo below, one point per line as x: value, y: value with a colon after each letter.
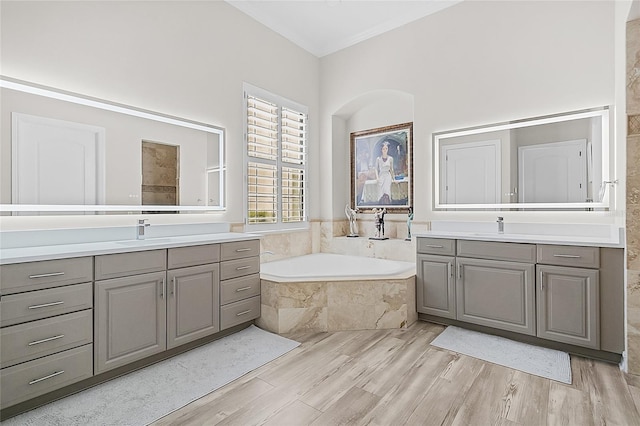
x: 239, y: 268
x: 514, y: 252
x: 35, y: 378
x: 239, y: 288
x: 124, y: 264
x: 20, y: 277
x: 35, y: 305
x: 240, y: 249
x: 436, y: 246
x: 584, y: 257
x: 181, y: 257
x: 239, y: 312
x: 24, y: 342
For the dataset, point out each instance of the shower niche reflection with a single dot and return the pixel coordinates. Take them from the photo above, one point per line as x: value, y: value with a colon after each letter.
x: 160, y: 174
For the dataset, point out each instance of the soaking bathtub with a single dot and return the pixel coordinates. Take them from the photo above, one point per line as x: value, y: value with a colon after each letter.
x: 331, y: 292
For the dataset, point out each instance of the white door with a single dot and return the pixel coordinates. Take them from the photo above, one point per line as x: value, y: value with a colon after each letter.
x: 471, y: 173
x: 553, y: 172
x: 56, y: 162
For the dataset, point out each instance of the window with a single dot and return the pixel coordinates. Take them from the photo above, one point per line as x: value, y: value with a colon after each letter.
x: 276, y: 139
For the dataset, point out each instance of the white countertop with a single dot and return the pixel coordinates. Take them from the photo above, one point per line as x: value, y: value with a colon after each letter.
x: 568, y: 234
x: 567, y: 240
x: 61, y: 251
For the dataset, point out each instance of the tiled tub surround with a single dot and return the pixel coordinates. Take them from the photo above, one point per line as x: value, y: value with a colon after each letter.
x: 330, y: 292
x: 633, y: 196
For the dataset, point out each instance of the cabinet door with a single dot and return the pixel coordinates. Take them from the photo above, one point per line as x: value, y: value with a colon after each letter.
x: 436, y: 286
x: 496, y: 294
x: 193, y: 304
x: 568, y: 307
x: 129, y: 319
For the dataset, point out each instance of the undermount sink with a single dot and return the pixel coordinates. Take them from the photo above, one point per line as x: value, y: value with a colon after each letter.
x: 144, y: 242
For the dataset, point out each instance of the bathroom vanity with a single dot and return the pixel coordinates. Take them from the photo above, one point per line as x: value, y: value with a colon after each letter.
x: 565, y: 292
x: 74, y: 315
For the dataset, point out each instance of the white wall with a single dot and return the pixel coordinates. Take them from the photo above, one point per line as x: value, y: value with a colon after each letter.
x: 480, y: 63
x: 182, y: 58
x: 475, y: 63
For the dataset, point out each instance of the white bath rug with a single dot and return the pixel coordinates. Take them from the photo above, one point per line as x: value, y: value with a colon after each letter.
x: 543, y: 362
x: 146, y: 395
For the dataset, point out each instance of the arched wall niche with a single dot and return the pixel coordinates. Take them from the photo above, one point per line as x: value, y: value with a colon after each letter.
x: 370, y: 110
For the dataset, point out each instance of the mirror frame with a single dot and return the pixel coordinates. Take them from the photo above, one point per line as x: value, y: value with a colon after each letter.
x: 602, y: 112
x: 36, y: 89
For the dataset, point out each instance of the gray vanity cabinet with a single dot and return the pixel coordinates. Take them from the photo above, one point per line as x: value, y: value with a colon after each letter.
x: 436, y: 286
x: 141, y: 315
x: 192, y: 303
x: 130, y: 319
x: 568, y: 303
x: 193, y: 287
x: 240, y: 282
x: 46, y: 327
x: 64, y: 321
x: 567, y: 294
x: 129, y: 308
x: 496, y: 294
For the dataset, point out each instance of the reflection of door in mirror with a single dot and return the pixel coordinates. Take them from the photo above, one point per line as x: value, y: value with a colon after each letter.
x: 553, y: 172
x: 160, y: 174
x: 56, y: 161
x: 471, y: 172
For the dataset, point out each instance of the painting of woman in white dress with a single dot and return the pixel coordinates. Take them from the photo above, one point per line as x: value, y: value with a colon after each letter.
x: 385, y: 174
x: 381, y: 168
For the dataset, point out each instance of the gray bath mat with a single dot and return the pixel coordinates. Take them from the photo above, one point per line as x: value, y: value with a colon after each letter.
x: 146, y: 395
x: 543, y: 362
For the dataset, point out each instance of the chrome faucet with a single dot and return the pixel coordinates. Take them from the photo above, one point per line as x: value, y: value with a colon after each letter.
x: 140, y: 228
x: 500, y: 225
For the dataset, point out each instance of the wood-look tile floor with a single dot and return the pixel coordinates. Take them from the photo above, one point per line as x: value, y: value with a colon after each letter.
x: 394, y: 377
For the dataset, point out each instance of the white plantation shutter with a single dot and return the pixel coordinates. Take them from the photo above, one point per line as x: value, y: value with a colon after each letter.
x: 276, y: 141
x: 262, y: 129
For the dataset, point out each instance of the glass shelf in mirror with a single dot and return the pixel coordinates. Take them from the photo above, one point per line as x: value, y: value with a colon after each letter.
x: 553, y: 162
x: 64, y: 152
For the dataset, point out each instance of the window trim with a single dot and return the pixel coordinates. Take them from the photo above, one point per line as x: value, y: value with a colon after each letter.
x: 281, y: 102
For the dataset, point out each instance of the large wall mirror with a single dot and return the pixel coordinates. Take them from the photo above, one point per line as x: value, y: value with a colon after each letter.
x: 64, y: 152
x: 552, y: 162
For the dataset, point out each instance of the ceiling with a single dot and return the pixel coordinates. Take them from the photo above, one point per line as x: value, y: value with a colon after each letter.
x: 326, y: 26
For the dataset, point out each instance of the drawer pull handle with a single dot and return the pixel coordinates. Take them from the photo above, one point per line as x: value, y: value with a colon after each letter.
x: 46, y: 305
x: 241, y: 268
x: 434, y: 246
x: 50, y: 274
x: 57, y: 373
x: 243, y: 289
x: 570, y: 256
x: 37, y: 342
x: 242, y: 249
x: 243, y: 313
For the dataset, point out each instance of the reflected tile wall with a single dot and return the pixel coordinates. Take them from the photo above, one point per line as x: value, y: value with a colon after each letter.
x: 633, y: 196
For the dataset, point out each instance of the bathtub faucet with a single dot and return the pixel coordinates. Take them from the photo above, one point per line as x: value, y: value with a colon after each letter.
x: 500, y: 225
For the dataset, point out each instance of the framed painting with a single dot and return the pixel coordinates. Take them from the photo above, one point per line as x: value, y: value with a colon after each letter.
x: 382, y: 168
